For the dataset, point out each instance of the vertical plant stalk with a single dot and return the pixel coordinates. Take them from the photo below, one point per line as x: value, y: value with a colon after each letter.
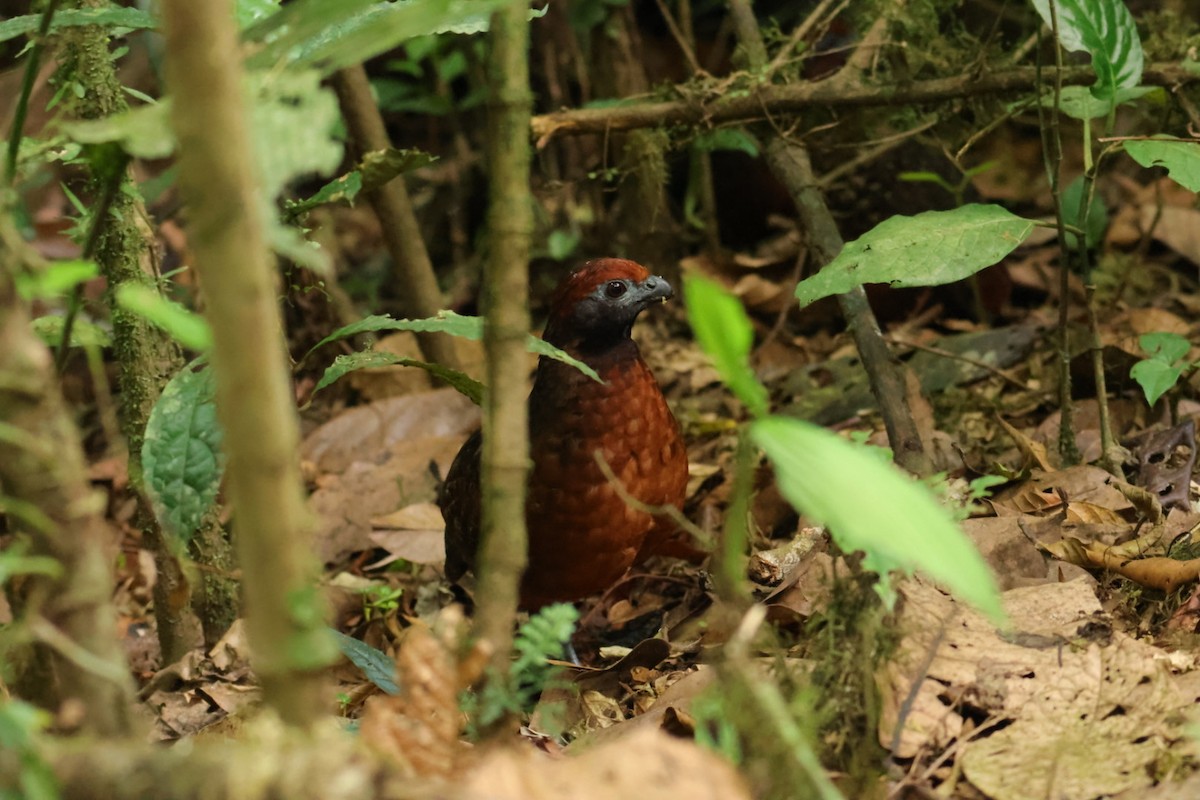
x: 790, y: 163
x: 118, y: 239
x: 505, y: 457
x: 254, y: 397
x: 42, y: 469
x: 1068, y: 451
x: 393, y: 206
x: 32, y: 61
x: 729, y: 560
x: 1111, y: 453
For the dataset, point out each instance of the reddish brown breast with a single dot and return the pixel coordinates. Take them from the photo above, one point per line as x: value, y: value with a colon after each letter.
x: 582, y: 535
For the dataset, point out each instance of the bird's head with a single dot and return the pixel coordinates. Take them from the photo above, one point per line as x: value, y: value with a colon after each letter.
x: 596, y: 305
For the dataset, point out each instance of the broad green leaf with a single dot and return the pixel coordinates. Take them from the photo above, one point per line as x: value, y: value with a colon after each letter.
x: 455, y: 325
x: 249, y: 12
x: 186, y: 327
x: 315, y: 37
x: 294, y: 118
x: 344, y: 188
x: 181, y: 456
x: 375, y: 170
x: 1155, y: 377
x: 373, y: 359
x: 871, y: 506
x: 1181, y: 159
x: 726, y: 335
x: 83, y: 333
x: 381, y: 166
x: 929, y: 249
x: 286, y: 30
x: 143, y: 131
x: 1105, y: 30
x: 108, y: 16
x: 375, y: 664
x: 1166, y: 347
x: 1079, y: 102
x: 58, y: 278
x: 1097, y: 214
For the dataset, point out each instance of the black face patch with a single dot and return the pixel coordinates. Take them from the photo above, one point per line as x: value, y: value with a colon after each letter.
x: 605, y: 316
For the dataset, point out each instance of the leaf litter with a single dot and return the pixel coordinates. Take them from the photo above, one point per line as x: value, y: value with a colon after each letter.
x: 1091, y: 690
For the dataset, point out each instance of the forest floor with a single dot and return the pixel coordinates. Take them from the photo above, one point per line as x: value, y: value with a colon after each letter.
x: 1088, y: 694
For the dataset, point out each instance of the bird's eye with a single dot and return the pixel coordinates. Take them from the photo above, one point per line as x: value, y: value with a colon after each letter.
x: 615, y: 289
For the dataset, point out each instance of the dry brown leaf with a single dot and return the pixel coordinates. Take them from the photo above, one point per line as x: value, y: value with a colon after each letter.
x: 1087, y: 707
x: 1090, y: 513
x: 419, y: 727
x: 415, y: 533
x: 1177, y: 228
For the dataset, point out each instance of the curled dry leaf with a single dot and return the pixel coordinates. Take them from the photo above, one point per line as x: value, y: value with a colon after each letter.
x: 419, y: 727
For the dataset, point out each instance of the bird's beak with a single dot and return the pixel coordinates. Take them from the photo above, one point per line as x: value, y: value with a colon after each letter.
x: 654, y: 288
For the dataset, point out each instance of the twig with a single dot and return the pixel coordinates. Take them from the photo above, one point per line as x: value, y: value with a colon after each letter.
x: 802, y: 30
x: 393, y: 207
x: 938, y: 351
x: 669, y: 511
x: 801, y: 96
x: 66, y: 647
x: 680, y: 39
x: 884, y: 146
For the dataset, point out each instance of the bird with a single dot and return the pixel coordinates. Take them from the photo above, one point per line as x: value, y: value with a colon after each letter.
x: 582, y: 535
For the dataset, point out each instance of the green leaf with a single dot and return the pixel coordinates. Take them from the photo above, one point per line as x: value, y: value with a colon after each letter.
x: 561, y: 244
x: 1165, y: 347
x: 344, y: 188
x: 83, y: 333
x: 181, y: 456
x: 1097, y: 214
x: 1104, y: 29
x: 373, y: 359
x: 108, y: 16
x: 871, y: 506
x: 928, y: 249
x: 1181, y: 159
x: 186, y: 327
x: 375, y: 664
x: 726, y: 335
x: 1079, y: 102
x: 249, y: 12
x: 375, y: 170
x: 727, y: 139
x: 1155, y: 377
x: 144, y: 131
x: 313, y: 35
x: 455, y: 325
x: 293, y: 118
x: 380, y: 166
x: 55, y: 280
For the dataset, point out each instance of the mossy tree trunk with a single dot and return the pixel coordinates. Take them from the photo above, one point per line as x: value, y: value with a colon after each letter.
x: 145, y: 355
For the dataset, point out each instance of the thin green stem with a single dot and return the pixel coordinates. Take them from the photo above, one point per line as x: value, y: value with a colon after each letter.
x: 108, y: 193
x: 31, y: 68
